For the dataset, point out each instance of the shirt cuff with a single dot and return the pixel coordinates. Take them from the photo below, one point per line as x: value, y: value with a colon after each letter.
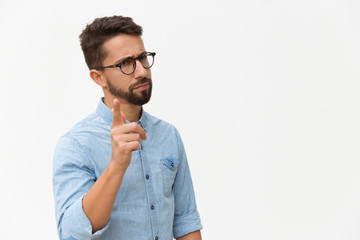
x: 186, y: 224
x: 76, y: 224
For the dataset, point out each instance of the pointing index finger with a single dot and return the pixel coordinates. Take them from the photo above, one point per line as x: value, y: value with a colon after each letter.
x: 117, y: 118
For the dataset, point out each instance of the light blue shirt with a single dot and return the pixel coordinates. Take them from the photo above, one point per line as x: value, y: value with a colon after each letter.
x: 156, y: 199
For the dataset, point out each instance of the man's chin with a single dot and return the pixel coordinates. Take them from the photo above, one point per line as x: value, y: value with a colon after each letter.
x: 140, y: 98
x: 139, y: 101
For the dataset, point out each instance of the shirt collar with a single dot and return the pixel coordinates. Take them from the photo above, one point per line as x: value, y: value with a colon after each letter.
x: 105, y: 113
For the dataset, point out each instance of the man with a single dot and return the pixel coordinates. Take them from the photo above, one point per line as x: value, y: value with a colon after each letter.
x: 122, y: 173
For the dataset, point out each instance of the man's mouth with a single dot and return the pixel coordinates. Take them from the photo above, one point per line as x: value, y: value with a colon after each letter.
x: 142, y: 87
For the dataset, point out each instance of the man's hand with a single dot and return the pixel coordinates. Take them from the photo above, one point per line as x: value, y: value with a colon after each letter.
x: 125, y: 138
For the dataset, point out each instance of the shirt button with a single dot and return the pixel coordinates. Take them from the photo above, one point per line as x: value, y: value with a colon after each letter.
x: 152, y: 207
x: 141, y: 147
x: 147, y: 176
x: 172, y: 164
x: 156, y: 238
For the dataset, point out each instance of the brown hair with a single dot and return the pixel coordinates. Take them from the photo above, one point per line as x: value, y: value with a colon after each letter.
x: 99, y: 31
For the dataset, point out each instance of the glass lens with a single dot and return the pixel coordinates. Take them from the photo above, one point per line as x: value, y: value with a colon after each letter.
x: 147, y: 60
x: 127, y: 66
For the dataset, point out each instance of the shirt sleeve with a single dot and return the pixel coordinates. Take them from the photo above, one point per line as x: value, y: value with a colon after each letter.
x: 186, y: 219
x: 73, y: 176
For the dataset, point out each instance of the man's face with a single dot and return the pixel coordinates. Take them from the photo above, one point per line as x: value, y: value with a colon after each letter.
x: 136, y: 87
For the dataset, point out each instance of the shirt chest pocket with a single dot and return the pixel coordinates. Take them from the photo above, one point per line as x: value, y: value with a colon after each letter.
x: 169, y: 169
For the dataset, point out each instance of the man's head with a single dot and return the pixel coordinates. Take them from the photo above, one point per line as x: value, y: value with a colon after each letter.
x: 109, y: 41
x: 99, y: 31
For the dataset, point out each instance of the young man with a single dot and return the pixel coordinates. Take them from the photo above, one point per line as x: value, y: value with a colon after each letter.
x: 122, y: 173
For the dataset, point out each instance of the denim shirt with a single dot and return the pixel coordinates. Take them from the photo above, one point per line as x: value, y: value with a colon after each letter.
x: 156, y: 198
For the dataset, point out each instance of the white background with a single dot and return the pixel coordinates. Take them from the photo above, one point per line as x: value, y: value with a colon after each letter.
x: 265, y: 95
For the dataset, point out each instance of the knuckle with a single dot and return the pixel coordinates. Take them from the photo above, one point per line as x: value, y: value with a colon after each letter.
x: 116, y: 139
x: 137, y: 136
x: 122, y: 148
x: 112, y: 133
x: 136, y: 145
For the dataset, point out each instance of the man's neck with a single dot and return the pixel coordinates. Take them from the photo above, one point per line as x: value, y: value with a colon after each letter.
x: 132, y: 112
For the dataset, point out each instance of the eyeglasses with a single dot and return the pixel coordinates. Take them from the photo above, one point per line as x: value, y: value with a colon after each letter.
x: 128, y: 65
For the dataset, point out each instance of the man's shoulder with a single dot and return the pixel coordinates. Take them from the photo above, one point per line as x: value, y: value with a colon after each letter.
x: 163, y: 131
x: 160, y: 123
x: 89, y: 127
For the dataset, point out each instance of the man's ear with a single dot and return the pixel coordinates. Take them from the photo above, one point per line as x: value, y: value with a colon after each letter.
x: 98, y: 77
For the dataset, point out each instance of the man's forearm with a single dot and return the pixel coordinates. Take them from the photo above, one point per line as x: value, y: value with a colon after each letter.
x: 125, y: 138
x: 191, y: 236
x: 99, y: 201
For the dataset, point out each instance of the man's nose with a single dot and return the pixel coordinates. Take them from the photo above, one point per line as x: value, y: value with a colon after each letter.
x: 140, y: 71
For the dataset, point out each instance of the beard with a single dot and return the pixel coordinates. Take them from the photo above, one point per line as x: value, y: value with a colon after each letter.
x: 129, y: 96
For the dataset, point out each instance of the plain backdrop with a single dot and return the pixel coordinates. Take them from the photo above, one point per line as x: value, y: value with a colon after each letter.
x: 265, y: 94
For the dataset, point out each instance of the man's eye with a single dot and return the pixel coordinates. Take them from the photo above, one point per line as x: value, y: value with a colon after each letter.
x: 126, y: 63
x: 143, y: 57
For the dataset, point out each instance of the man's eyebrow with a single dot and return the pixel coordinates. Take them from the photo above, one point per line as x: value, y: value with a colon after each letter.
x: 121, y: 59
x: 124, y: 58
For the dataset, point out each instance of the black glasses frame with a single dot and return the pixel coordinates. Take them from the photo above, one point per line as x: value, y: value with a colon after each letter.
x: 134, y: 62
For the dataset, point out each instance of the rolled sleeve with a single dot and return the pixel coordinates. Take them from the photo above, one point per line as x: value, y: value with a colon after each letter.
x: 75, y: 223
x: 186, y: 217
x: 73, y: 176
x: 187, y: 224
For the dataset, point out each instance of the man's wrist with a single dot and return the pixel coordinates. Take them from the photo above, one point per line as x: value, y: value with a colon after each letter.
x: 116, y: 169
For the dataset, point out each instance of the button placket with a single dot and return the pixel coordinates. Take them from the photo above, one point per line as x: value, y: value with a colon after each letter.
x: 149, y: 189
